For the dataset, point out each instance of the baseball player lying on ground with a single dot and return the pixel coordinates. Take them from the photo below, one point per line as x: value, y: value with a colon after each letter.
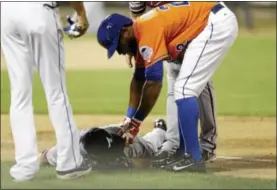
x: 107, y: 150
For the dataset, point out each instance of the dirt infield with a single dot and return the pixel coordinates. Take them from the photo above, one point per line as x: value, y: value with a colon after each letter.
x: 248, y: 144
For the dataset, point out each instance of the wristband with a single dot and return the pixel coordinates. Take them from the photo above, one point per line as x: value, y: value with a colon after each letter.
x: 131, y: 112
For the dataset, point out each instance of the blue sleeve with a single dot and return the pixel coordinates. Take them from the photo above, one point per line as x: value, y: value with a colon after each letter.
x: 139, y: 74
x: 154, y: 72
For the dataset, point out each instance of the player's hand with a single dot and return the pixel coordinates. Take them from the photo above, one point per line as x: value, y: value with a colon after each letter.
x: 129, y: 130
x: 77, y: 28
x: 129, y: 60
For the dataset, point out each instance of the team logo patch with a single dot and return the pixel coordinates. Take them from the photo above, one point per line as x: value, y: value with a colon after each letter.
x: 146, y: 53
x: 180, y: 47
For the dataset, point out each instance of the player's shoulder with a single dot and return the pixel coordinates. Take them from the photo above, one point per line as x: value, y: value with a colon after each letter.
x: 148, y: 21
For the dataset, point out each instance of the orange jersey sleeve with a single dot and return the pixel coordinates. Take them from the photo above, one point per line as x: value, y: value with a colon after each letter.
x: 163, y: 32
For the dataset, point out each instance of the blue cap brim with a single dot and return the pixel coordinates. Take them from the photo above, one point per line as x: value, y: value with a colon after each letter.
x: 112, y: 49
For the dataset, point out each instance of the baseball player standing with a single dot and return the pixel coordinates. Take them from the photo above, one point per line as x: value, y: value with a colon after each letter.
x: 31, y: 36
x: 162, y: 34
x: 206, y: 101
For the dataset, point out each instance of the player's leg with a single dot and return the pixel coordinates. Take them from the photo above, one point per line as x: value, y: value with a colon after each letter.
x: 20, y: 68
x: 201, y: 59
x: 208, y: 123
x: 207, y: 114
x: 49, y: 156
x: 49, y: 51
x: 156, y: 137
x: 172, y: 134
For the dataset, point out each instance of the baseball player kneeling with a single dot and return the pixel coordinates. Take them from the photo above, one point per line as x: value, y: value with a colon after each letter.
x: 107, y: 150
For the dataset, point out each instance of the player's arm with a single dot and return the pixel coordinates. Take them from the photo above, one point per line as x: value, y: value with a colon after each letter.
x: 78, y: 6
x: 136, y: 86
x: 151, y: 90
x: 144, y: 93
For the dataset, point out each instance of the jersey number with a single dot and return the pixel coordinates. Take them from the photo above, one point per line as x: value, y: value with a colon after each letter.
x: 174, y: 4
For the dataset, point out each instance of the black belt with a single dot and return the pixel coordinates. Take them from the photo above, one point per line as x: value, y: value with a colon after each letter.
x: 217, y: 8
x: 52, y: 6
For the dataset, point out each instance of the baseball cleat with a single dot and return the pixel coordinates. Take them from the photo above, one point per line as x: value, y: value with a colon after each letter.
x: 25, y: 179
x: 160, y: 159
x: 83, y: 169
x: 208, y: 156
x: 187, y: 164
x: 160, y: 123
x: 164, y: 159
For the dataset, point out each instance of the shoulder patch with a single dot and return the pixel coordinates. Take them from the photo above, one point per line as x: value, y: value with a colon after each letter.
x: 146, y: 52
x: 182, y: 46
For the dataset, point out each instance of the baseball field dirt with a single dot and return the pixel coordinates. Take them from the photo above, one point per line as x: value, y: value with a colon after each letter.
x: 246, y: 145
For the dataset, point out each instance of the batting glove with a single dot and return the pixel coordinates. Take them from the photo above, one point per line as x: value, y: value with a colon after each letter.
x: 74, y: 29
x: 130, y: 129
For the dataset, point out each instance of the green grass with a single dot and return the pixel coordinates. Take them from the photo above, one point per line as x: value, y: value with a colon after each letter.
x: 246, y: 81
x: 245, y: 84
x: 152, y: 179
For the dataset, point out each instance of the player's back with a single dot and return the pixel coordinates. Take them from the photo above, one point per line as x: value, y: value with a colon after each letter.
x: 177, y: 22
x: 188, y: 17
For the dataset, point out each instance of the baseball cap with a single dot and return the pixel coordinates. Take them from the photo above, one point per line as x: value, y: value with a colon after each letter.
x: 109, y: 31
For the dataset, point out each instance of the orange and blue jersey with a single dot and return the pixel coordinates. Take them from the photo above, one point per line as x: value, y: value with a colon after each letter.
x: 163, y: 32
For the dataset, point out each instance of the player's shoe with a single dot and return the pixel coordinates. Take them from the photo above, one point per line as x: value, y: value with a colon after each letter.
x: 25, y: 179
x: 208, y: 156
x: 83, y: 169
x: 187, y: 164
x: 164, y: 159
x: 160, y: 123
x: 160, y: 159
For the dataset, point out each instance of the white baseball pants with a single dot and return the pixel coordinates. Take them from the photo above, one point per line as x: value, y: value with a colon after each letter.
x: 192, y: 77
x: 205, y: 53
x: 31, y: 36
